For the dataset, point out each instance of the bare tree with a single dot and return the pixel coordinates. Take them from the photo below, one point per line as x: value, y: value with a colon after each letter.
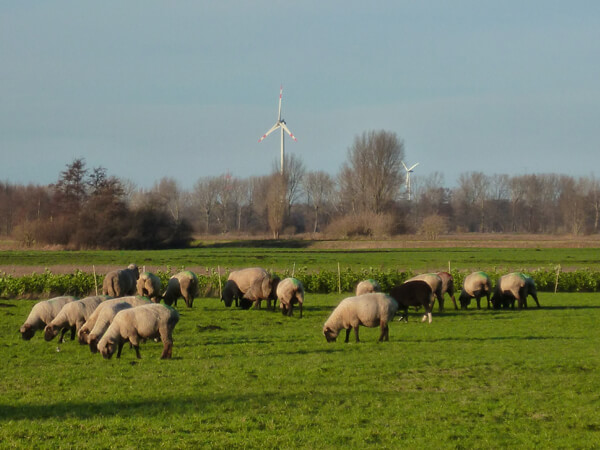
x: 319, y: 187
x: 169, y: 196
x: 205, y: 197
x: 371, y: 178
x: 276, y: 204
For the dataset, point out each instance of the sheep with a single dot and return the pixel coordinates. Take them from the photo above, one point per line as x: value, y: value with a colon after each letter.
x: 436, y: 283
x: 447, y: 287
x: 139, y: 323
x: 72, y: 316
x: 256, y: 284
x: 369, y: 310
x: 148, y: 285
x: 367, y: 286
x: 289, y: 292
x: 414, y: 293
x: 91, y: 331
x: 42, y: 314
x: 475, y: 285
x: 231, y: 292
x: 184, y: 284
x: 120, y: 283
x: 511, y: 287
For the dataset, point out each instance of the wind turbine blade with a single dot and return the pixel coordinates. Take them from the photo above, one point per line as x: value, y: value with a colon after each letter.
x: 283, y: 125
x: 415, y: 165
x: 280, y: 95
x: 405, y: 168
x: 273, y: 128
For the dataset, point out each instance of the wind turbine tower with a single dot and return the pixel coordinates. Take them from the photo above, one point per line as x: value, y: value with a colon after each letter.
x: 409, y: 170
x: 279, y: 124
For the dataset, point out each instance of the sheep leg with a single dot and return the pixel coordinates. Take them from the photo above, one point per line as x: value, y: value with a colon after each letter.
x: 441, y: 303
x: 347, y: 335
x: 120, y: 348
x: 454, y: 301
x: 383, y: 336
x: 478, y: 299
x: 73, y: 332
x: 534, y: 295
x: 488, y: 300
x: 137, y: 351
x: 62, y: 335
x: 356, y: 333
x: 167, y: 350
x: 301, y: 310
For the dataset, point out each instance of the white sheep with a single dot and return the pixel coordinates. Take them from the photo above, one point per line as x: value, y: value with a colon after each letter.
x: 136, y: 324
x: 120, y: 283
x: 93, y: 329
x: 72, y: 316
x: 369, y: 310
x: 367, y: 286
x: 184, y: 284
x: 42, y: 314
x: 290, y: 292
x: 148, y: 285
x: 256, y: 284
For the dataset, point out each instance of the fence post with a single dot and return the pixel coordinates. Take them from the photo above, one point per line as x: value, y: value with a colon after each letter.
x: 95, y: 280
x: 219, y: 277
x: 556, y: 283
x: 339, y: 280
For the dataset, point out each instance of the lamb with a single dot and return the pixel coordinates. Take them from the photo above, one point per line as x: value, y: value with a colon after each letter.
x: 184, y: 284
x: 436, y: 283
x: 72, y: 316
x: 120, y: 283
x: 511, y: 287
x: 414, y: 293
x: 139, y: 323
x: 476, y: 285
x: 148, y: 285
x: 91, y: 331
x: 256, y: 284
x: 290, y: 292
x: 367, y: 286
x: 42, y: 314
x: 369, y: 310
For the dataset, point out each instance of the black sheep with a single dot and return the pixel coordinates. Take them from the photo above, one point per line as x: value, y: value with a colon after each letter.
x: 413, y: 293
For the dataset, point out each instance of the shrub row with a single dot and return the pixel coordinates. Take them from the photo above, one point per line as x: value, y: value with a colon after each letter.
x: 82, y: 283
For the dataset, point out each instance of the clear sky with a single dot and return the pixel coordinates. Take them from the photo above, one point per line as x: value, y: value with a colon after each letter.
x: 184, y: 89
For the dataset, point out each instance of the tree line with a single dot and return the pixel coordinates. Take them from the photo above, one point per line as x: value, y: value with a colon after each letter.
x: 87, y: 208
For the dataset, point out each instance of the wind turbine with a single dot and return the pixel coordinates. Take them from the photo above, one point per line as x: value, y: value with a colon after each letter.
x: 279, y: 124
x: 409, y: 170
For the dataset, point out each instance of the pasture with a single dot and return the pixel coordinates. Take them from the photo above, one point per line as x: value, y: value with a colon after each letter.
x: 257, y: 379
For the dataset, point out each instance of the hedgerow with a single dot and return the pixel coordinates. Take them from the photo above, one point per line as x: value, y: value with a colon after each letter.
x: 81, y: 284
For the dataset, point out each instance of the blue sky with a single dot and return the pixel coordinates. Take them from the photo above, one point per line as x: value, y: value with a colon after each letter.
x: 184, y: 89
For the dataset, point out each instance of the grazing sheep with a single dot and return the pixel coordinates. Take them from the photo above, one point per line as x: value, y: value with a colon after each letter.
x: 447, y: 287
x: 231, y: 292
x: 148, y: 285
x: 256, y: 284
x: 290, y: 292
x: 120, y: 283
x: 72, y: 316
x: 93, y: 329
x: 184, y: 284
x: 436, y: 283
x: 369, y: 310
x: 42, y: 314
x: 476, y: 285
x: 514, y: 286
x: 139, y: 323
x: 414, y: 293
x: 367, y: 286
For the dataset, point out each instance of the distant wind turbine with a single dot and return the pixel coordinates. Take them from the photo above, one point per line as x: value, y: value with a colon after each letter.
x: 408, y: 172
x: 279, y: 124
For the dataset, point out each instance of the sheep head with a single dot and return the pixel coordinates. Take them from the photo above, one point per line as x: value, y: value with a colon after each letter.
x: 50, y: 331
x: 330, y: 334
x: 27, y: 332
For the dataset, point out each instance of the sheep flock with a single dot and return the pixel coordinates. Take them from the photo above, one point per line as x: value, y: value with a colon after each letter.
x: 130, y: 309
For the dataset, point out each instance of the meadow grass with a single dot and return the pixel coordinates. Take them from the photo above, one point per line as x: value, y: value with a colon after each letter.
x: 416, y: 259
x: 257, y: 379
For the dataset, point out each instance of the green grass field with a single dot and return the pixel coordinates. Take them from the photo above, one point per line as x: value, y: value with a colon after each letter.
x: 416, y: 259
x: 257, y: 379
